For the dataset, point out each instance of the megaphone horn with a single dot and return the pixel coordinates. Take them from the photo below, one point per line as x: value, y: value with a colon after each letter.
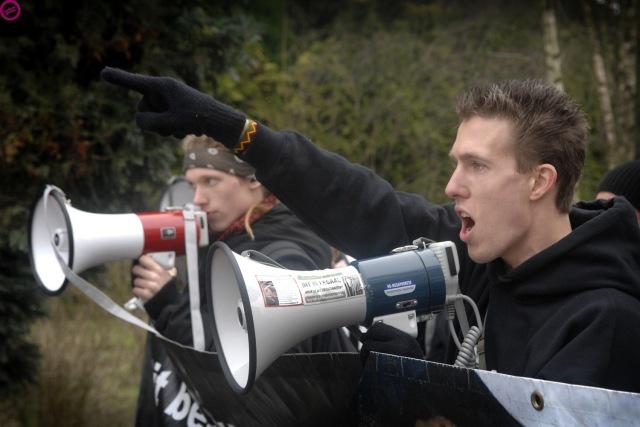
x: 84, y: 240
x: 260, y: 311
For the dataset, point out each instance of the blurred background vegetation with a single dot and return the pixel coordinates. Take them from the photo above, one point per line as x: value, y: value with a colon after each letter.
x: 374, y: 80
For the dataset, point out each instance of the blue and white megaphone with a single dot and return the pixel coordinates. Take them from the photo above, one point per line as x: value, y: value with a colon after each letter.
x: 260, y: 311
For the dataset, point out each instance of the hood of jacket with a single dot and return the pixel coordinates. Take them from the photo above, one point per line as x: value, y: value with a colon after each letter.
x: 602, y: 251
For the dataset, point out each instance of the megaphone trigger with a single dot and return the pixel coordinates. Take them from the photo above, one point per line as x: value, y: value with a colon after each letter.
x: 166, y: 259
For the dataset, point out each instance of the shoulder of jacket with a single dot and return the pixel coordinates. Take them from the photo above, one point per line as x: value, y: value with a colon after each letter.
x: 282, y: 248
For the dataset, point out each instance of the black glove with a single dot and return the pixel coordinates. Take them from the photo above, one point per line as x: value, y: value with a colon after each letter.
x: 383, y: 338
x: 170, y: 107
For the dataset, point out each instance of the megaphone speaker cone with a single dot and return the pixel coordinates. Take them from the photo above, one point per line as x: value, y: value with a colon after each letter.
x: 261, y: 311
x: 45, y: 235
x: 233, y: 327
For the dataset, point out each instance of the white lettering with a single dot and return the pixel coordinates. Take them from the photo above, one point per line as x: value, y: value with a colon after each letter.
x: 161, y: 380
x: 196, y: 418
x: 178, y: 409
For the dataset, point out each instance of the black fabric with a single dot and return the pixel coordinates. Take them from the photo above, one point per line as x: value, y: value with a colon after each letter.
x: 283, y: 250
x: 383, y: 338
x: 170, y: 107
x: 568, y: 314
x: 623, y: 180
x: 164, y: 399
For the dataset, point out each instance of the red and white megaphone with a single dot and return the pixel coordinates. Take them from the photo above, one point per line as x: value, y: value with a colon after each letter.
x: 84, y: 240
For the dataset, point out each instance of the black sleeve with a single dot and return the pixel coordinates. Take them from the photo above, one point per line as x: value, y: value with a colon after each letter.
x: 170, y: 311
x: 290, y: 255
x: 167, y: 296
x: 351, y: 208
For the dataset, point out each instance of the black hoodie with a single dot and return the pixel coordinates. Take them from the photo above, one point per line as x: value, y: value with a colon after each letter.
x: 568, y: 314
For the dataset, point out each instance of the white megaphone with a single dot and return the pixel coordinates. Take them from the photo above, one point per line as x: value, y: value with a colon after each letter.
x: 260, y: 311
x: 178, y: 192
x: 84, y: 240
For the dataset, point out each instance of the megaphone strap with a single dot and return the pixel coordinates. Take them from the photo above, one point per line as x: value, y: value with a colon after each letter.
x: 191, y: 245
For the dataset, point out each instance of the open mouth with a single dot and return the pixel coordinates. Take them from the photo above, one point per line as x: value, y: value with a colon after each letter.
x: 467, y: 223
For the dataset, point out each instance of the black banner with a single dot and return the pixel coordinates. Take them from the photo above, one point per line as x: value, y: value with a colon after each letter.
x: 317, y: 389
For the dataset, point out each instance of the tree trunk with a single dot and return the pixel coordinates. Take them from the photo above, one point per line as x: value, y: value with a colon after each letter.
x: 626, y: 72
x: 604, y: 94
x: 553, y: 62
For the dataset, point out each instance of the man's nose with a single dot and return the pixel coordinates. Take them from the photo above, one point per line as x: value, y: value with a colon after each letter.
x: 453, y: 188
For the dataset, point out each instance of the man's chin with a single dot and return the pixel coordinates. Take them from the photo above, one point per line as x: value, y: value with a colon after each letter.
x: 479, y: 257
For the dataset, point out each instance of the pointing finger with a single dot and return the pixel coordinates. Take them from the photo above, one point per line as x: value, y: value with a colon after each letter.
x: 136, y: 82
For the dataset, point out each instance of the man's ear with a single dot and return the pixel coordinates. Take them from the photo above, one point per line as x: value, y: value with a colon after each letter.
x: 544, y: 178
x: 254, y: 184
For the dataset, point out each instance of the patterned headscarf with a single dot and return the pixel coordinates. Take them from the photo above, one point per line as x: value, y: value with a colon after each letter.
x: 213, y: 158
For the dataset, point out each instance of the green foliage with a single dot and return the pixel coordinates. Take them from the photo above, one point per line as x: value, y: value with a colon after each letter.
x: 372, y: 99
x: 381, y: 90
x: 61, y: 125
x: 18, y: 357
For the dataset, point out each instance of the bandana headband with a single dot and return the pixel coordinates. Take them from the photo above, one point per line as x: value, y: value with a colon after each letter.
x: 213, y: 158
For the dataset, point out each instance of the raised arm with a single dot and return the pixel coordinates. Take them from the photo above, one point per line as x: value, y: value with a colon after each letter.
x: 348, y: 205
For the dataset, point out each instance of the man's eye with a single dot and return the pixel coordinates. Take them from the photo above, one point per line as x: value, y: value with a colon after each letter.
x: 211, y: 181
x: 478, y: 166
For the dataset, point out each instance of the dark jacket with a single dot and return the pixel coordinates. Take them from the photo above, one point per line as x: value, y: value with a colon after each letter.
x: 170, y: 311
x: 568, y: 314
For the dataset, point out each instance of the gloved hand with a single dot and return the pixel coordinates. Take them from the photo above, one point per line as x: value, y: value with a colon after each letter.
x: 170, y: 107
x: 383, y: 338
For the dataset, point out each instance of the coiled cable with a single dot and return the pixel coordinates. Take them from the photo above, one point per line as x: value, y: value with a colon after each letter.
x: 467, y: 357
x: 467, y: 353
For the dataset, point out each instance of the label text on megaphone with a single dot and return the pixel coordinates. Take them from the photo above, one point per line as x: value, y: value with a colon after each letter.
x: 287, y: 290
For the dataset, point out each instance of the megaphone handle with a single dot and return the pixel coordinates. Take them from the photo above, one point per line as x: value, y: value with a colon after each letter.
x: 167, y: 261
